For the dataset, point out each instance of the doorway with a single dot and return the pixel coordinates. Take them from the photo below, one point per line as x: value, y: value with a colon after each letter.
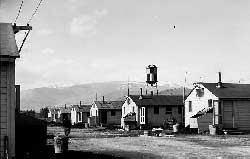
x: 104, y: 117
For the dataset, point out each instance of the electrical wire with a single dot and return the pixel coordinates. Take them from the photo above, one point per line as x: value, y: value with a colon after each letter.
x: 20, y: 8
x: 35, y: 11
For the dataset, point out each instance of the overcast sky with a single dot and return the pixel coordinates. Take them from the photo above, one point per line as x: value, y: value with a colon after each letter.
x: 82, y: 41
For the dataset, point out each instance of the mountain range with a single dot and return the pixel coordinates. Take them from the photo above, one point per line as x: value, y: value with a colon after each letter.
x: 86, y: 93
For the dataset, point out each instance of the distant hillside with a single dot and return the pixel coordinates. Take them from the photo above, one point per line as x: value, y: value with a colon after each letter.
x: 41, y: 97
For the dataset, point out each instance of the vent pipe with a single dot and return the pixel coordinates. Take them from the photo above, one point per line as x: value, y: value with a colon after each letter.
x: 152, y: 93
x: 219, y: 85
x: 141, y: 91
x: 103, y: 101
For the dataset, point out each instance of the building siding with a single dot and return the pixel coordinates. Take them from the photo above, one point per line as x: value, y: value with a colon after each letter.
x: 7, y: 106
x: 129, y: 107
x: 198, y: 103
x: 158, y: 119
x: 204, y: 122
x: 114, y: 120
x: 236, y: 114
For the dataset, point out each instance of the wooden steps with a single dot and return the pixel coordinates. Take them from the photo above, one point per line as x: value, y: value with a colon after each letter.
x: 232, y: 131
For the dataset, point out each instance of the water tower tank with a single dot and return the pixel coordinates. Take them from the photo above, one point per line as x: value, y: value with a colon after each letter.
x: 151, y: 74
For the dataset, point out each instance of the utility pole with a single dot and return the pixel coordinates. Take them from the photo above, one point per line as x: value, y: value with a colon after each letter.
x: 184, y: 96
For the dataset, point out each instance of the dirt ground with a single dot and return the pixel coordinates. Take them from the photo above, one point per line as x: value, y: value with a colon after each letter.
x: 103, y: 143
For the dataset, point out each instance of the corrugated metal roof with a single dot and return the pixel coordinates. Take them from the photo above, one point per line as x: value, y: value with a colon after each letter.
x: 157, y: 100
x: 229, y: 90
x: 8, y: 45
x: 109, y: 104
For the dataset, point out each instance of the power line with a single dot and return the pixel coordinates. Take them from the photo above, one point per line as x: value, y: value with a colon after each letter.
x: 20, y: 8
x: 35, y: 11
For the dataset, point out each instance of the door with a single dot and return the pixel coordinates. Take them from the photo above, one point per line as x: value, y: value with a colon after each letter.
x: 142, y: 115
x: 228, y: 116
x: 104, y: 117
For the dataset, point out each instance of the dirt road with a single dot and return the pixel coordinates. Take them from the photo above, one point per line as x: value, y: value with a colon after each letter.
x: 181, y: 146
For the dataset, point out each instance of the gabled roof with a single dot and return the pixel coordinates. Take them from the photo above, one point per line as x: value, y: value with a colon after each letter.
x: 229, y: 90
x: 82, y: 108
x: 109, y: 104
x: 54, y: 110
x: 157, y: 100
x: 202, y: 112
x: 131, y: 117
x: 8, y: 45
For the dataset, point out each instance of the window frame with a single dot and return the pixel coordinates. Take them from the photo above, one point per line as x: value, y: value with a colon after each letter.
x: 113, y: 113
x: 168, y: 111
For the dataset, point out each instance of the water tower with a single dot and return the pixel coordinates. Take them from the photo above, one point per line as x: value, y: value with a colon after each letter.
x: 151, y: 75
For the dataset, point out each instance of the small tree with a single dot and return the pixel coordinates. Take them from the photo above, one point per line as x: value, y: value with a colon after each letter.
x: 44, y: 112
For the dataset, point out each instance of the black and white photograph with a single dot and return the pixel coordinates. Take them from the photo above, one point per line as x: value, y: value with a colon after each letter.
x: 124, y: 79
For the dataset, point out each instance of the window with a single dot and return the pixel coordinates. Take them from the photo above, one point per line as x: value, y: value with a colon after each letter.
x: 217, y: 112
x: 190, y: 106
x: 199, y: 92
x: 168, y: 110
x: 179, y: 109
x: 79, y: 116
x: 128, y: 101
x: 156, y: 110
x: 142, y: 115
x: 112, y: 113
x: 210, y: 103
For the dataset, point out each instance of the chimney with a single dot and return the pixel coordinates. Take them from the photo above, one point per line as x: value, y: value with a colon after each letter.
x: 141, y: 91
x: 152, y: 93
x: 219, y: 85
x: 103, y: 99
x: 80, y: 103
x: 65, y: 106
x: 146, y: 91
x: 157, y: 92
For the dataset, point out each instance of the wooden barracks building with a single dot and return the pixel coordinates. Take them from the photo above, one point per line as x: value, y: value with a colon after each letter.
x: 225, y: 105
x: 8, y: 53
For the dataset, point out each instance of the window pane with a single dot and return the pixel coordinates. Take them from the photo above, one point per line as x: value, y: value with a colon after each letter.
x: 190, y: 106
x: 220, y: 108
x: 210, y: 103
x: 156, y: 110
x: 216, y: 120
x: 179, y: 109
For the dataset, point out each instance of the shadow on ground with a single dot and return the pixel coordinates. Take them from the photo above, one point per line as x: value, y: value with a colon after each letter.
x: 48, y: 153
x: 107, y: 154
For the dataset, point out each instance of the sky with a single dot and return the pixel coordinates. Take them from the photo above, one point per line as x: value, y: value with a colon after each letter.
x: 84, y: 41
